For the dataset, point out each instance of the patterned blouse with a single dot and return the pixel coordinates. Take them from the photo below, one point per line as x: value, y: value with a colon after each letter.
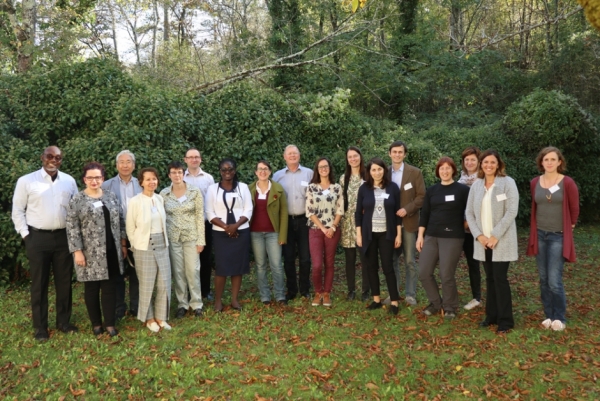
x: 325, y: 204
x: 86, y: 233
x: 185, y: 216
x: 348, y: 239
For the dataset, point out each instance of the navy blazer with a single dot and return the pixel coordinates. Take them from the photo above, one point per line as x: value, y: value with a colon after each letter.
x: 365, y: 206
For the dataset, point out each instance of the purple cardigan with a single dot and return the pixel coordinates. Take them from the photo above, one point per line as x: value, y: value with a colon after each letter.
x: 570, y: 215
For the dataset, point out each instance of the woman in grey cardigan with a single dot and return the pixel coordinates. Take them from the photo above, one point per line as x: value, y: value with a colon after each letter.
x: 97, y: 251
x: 491, y: 211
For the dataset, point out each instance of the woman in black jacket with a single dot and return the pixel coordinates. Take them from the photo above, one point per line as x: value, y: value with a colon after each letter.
x: 378, y: 229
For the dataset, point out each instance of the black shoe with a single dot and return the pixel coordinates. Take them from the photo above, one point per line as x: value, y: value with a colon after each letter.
x: 394, y: 309
x: 266, y: 302
x: 306, y: 296
x: 430, y: 310
x: 502, y: 330
x: 181, y: 313
x: 375, y: 305
x: 486, y: 323
x: 132, y: 312
x: 351, y: 296
x: 112, y: 332
x: 198, y: 312
x: 98, y: 330
x: 290, y: 297
x: 68, y: 328
x: 210, y: 297
x: 365, y: 296
x: 41, y: 335
x: 282, y: 302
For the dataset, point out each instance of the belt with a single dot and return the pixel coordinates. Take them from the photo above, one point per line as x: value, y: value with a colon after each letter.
x: 45, y: 231
x: 297, y: 216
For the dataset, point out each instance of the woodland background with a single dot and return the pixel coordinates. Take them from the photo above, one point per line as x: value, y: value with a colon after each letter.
x: 244, y: 78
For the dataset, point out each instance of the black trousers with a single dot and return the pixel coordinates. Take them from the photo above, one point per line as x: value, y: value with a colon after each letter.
x: 103, y: 293
x: 297, y: 239
x: 498, y: 305
x: 350, y: 254
x: 383, y: 248
x: 206, y: 261
x: 134, y: 287
x: 46, y: 252
x: 474, y: 268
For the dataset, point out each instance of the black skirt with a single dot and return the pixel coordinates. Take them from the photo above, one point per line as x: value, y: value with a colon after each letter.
x: 232, y: 255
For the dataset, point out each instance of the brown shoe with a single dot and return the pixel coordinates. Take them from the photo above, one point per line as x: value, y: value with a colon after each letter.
x: 326, y: 299
x: 317, y: 299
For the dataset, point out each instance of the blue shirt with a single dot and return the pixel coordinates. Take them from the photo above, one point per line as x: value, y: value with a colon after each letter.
x: 294, y: 184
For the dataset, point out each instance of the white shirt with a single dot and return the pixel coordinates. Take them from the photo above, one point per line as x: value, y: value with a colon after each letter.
x: 397, y: 175
x: 127, y: 192
x: 487, y: 224
x: 203, y: 180
x: 42, y: 203
x: 216, y: 208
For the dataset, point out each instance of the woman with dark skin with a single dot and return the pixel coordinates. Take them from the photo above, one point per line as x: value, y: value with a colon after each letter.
x: 229, y: 209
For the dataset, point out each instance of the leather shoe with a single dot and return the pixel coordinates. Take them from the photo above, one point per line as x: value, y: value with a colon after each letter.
x: 282, y: 302
x: 351, y: 296
x: 375, y: 305
x: 266, y: 302
x: 365, y: 296
x: 68, y: 328
x: 198, y: 312
x: 41, y: 335
x: 289, y: 297
x: 112, y: 332
x: 394, y: 309
x: 210, y: 297
x: 486, y: 323
x: 98, y: 330
x: 181, y: 313
x: 501, y: 330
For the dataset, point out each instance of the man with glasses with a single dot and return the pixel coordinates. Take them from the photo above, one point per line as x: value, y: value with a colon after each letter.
x: 294, y: 179
x: 196, y: 176
x: 125, y: 186
x: 39, y: 213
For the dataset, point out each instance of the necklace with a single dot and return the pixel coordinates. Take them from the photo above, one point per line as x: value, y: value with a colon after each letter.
x: 549, y: 197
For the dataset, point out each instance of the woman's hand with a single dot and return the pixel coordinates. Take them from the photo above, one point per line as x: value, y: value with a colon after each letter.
x: 492, y: 242
x: 328, y: 232
x: 359, y: 240
x: 231, y: 230
x: 79, y: 258
x: 419, y: 243
x: 199, y: 248
x: 398, y: 241
x: 124, y: 251
x: 483, y: 240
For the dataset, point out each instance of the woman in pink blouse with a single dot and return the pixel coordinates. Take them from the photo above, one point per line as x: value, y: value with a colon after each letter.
x: 324, y: 210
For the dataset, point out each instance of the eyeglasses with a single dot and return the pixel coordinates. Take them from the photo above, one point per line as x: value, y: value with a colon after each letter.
x: 56, y: 158
x: 262, y: 169
x: 177, y: 172
x: 91, y: 179
x: 323, y: 168
x: 227, y: 170
x: 193, y: 157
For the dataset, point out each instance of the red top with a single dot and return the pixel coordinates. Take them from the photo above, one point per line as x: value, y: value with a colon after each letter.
x: 570, y: 216
x: 260, y: 218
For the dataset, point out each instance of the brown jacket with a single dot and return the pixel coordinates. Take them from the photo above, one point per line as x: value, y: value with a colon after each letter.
x: 411, y: 199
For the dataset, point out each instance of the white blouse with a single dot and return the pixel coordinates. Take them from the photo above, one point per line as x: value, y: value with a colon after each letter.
x: 216, y: 208
x: 487, y: 223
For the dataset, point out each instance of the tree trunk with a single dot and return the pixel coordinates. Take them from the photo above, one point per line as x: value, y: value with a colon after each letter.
x: 113, y: 26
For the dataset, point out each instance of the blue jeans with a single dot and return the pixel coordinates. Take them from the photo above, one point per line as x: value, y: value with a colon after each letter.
x: 267, y: 244
x: 550, y: 262
x: 408, y: 247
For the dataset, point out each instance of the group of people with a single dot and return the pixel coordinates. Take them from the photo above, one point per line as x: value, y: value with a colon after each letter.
x: 123, y: 227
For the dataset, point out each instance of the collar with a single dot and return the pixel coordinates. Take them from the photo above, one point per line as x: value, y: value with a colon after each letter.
x: 401, y: 169
x: 200, y: 173
x: 123, y: 182
x: 46, y: 175
x: 298, y: 169
x: 260, y: 191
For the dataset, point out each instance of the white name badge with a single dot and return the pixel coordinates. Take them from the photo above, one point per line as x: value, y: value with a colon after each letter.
x: 449, y: 198
x: 233, y: 195
x: 262, y: 196
x: 407, y: 186
x: 182, y: 199
x: 554, y: 188
x: 97, y: 204
x: 326, y: 192
x: 501, y: 197
x: 385, y: 196
x: 304, y: 183
x: 154, y: 209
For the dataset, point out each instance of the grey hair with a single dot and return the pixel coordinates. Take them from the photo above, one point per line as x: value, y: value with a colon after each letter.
x: 125, y: 152
x: 290, y: 146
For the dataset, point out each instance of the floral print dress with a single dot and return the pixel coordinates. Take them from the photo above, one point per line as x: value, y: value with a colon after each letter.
x: 348, y: 239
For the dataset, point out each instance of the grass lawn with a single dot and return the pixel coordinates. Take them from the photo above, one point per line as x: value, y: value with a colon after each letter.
x: 300, y: 352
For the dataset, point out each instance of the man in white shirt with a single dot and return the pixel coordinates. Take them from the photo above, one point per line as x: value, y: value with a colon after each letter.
x: 194, y: 175
x: 125, y: 186
x: 294, y: 179
x: 39, y: 213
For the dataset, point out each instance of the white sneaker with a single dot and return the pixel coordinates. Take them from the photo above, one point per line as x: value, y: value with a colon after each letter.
x: 557, y: 325
x: 165, y: 325
x: 547, y: 323
x: 153, y: 327
x: 472, y: 304
x: 410, y: 300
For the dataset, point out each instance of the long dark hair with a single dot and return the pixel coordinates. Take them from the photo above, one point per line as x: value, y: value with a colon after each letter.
x: 348, y: 172
x: 369, y: 182
x: 317, y: 177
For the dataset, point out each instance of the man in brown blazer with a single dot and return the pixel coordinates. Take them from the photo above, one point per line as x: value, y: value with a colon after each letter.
x: 412, y: 192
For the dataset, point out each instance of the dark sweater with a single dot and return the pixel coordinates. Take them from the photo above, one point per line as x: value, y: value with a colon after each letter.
x: 365, y: 205
x: 443, y: 212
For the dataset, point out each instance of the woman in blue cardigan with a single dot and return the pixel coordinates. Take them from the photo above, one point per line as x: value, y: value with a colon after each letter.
x: 378, y: 229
